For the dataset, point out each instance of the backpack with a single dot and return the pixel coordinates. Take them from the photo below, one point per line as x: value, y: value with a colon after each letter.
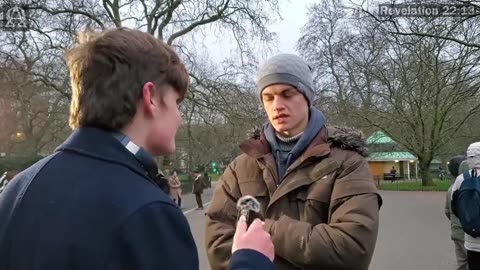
x: 466, y: 203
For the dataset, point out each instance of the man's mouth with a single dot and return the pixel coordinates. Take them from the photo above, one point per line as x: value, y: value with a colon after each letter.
x: 280, y: 116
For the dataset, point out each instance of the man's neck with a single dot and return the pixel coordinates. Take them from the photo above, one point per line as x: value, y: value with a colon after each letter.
x: 288, y: 139
x: 136, y: 135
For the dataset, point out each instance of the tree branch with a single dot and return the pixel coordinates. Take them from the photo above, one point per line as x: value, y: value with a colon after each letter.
x: 202, y: 21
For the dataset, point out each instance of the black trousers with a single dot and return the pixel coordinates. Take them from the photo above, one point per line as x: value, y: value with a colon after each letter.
x: 473, y: 259
x: 178, y: 201
x: 198, y: 196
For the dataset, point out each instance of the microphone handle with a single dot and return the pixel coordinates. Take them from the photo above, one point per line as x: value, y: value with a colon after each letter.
x: 250, y: 216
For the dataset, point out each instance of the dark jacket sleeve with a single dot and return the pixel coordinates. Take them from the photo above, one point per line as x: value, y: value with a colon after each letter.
x: 157, y: 236
x: 247, y: 259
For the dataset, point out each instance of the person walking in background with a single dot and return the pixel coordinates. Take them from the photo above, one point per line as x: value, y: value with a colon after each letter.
x: 456, y: 232
x: 198, y: 186
x: 175, y: 189
x: 466, y: 202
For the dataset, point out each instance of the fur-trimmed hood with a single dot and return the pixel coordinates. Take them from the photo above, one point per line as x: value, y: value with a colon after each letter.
x: 345, y: 138
x: 348, y: 138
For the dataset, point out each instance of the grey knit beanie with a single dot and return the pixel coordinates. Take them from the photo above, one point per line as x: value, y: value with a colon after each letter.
x: 288, y: 69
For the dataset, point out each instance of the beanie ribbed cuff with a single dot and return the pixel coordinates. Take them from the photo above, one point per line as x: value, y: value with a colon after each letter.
x: 285, y: 78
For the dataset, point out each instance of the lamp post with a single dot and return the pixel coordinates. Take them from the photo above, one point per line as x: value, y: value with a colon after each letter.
x: 18, y: 136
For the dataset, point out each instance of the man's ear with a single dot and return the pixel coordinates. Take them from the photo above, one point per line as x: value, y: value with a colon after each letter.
x: 148, y: 98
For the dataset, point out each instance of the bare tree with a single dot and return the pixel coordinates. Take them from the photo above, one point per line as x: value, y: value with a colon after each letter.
x: 420, y: 91
x: 37, y: 54
x: 39, y: 109
x: 398, y: 27
x: 218, y: 111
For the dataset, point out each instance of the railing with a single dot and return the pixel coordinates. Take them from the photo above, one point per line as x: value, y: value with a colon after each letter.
x: 3, y: 181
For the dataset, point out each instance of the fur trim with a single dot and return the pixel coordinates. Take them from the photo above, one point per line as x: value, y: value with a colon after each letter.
x: 345, y: 138
x: 348, y: 138
x: 254, y: 133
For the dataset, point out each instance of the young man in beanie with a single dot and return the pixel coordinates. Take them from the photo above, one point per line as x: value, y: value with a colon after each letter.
x: 94, y: 204
x: 317, y: 195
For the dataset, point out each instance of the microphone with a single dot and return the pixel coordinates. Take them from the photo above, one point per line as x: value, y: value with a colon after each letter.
x: 249, y: 207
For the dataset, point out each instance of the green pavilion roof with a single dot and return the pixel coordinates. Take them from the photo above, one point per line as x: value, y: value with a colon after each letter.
x: 391, y: 156
x: 379, y: 137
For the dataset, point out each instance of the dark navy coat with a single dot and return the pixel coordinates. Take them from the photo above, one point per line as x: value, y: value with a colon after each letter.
x: 91, y: 206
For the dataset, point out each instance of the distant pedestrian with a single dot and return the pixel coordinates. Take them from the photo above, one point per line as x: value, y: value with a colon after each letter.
x: 198, y: 186
x: 393, y: 173
x: 456, y: 232
x: 466, y: 202
x: 175, y: 189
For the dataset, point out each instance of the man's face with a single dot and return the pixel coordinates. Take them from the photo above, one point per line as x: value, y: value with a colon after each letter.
x: 166, y: 121
x: 473, y: 156
x: 286, y: 108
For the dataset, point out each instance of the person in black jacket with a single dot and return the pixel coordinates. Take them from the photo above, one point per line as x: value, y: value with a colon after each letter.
x: 95, y: 203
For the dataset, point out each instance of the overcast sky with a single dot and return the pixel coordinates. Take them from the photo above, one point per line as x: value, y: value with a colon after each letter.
x: 294, y: 14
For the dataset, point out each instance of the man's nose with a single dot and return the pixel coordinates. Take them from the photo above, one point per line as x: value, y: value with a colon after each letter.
x: 278, y: 104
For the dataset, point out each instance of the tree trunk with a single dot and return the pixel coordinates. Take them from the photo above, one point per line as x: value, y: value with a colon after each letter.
x: 190, y: 151
x: 425, y: 172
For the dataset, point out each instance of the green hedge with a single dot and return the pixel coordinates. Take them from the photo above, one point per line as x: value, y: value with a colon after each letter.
x: 414, y: 186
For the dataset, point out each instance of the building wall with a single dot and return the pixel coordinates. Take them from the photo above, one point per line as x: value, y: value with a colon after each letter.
x: 378, y: 168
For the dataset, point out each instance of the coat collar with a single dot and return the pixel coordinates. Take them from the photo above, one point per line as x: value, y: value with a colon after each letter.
x: 100, y: 144
x: 341, y: 137
x: 258, y: 146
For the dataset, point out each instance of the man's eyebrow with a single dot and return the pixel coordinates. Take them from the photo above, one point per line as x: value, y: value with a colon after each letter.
x: 286, y: 89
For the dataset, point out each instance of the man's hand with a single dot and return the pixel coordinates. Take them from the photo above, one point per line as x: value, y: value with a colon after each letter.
x: 255, y: 238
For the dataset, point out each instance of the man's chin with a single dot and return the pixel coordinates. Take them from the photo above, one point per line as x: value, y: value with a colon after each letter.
x: 282, y: 129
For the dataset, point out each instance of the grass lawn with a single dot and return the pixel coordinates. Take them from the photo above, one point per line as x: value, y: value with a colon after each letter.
x: 414, y: 186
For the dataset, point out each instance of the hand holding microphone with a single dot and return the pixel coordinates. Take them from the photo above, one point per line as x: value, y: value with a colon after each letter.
x: 250, y: 233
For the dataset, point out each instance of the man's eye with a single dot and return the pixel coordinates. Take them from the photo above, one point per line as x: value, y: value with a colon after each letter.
x: 267, y: 98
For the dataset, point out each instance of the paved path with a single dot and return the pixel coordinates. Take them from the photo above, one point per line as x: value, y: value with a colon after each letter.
x: 196, y: 218
x: 414, y: 232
